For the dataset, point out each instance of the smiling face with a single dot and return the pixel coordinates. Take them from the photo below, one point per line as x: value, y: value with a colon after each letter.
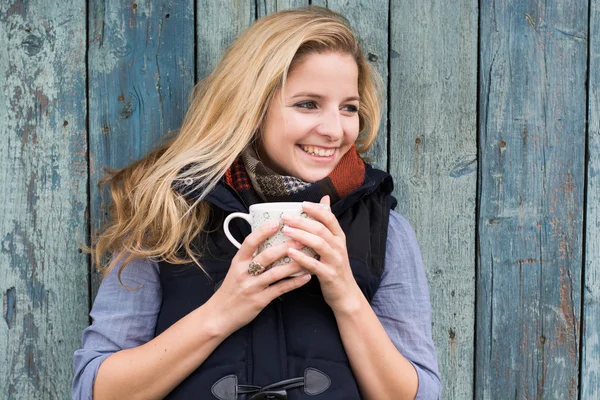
x: 307, y: 135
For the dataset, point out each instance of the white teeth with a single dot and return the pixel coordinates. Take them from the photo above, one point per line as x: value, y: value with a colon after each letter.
x: 316, y: 151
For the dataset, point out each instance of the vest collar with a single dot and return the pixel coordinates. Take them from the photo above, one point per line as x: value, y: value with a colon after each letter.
x: 226, y: 198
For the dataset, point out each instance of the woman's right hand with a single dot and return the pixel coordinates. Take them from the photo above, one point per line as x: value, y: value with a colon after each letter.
x: 242, y: 296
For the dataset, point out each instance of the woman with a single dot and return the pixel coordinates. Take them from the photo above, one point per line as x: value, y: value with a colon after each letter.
x: 182, y: 313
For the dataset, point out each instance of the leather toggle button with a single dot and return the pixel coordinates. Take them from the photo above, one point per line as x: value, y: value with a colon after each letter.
x: 226, y: 388
x: 271, y: 395
x: 315, y: 381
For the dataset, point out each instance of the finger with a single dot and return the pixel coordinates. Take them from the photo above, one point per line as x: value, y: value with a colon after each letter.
x: 272, y: 254
x: 325, y: 216
x: 309, y: 263
x: 278, y: 273
x: 325, y: 200
x: 319, y: 244
x: 285, y: 286
x: 254, y: 239
x: 308, y: 225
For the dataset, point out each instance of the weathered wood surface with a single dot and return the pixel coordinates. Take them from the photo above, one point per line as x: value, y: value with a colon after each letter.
x: 217, y: 25
x: 369, y: 21
x: 266, y: 7
x: 590, y: 334
x: 532, y: 105
x: 43, y: 176
x: 141, y: 63
x: 433, y: 159
x: 532, y: 144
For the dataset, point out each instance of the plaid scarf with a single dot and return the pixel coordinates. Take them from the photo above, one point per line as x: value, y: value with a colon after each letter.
x: 256, y: 183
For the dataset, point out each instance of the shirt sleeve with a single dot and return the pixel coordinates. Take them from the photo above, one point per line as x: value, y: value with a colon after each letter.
x: 123, y: 317
x: 403, y: 306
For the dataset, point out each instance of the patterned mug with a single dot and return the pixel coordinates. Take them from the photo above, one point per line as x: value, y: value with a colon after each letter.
x: 263, y: 213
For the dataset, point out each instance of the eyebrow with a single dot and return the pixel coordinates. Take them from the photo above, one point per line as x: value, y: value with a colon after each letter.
x: 318, y: 96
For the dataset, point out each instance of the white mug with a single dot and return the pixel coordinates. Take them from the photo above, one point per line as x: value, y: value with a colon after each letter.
x: 263, y: 213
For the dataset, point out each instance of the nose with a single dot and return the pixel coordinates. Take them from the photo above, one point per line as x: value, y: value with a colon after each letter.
x: 331, y: 125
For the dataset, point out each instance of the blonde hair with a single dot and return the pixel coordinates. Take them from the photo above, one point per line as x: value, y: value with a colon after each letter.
x: 149, y: 219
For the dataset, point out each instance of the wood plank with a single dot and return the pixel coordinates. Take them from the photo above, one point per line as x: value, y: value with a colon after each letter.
x: 532, y: 149
x: 218, y: 24
x: 433, y: 158
x: 266, y: 7
x: 141, y: 74
x: 43, y: 175
x: 590, y: 335
x: 369, y: 21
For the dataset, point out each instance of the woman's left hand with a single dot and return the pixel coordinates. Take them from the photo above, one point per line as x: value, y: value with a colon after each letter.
x: 327, y: 238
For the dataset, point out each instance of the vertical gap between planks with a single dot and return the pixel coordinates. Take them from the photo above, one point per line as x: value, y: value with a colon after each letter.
x: 388, y: 97
x: 477, y: 193
x: 196, y: 49
x: 88, y: 213
x: 585, y: 199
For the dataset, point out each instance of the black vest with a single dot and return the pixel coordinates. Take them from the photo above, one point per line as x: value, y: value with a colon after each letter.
x: 292, y: 349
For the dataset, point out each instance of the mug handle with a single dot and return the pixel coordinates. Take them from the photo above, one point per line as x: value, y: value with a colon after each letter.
x: 241, y: 215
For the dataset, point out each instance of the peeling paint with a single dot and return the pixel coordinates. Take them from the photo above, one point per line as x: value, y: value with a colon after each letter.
x: 32, y: 360
x: 9, y: 307
x: 44, y: 138
x: 567, y: 333
x: 18, y: 8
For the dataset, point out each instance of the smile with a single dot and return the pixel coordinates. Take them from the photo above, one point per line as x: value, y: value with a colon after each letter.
x: 318, y: 151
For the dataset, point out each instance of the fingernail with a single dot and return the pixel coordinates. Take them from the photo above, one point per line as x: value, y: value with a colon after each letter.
x: 273, y: 224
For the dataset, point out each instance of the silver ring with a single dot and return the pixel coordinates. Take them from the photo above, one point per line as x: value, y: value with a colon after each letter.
x: 255, y: 268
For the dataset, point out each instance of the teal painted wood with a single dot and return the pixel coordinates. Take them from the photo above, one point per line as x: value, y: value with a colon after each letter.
x: 433, y: 158
x: 43, y: 176
x: 218, y: 24
x: 532, y: 146
x: 590, y: 335
x: 369, y: 20
x: 141, y: 74
x: 266, y: 7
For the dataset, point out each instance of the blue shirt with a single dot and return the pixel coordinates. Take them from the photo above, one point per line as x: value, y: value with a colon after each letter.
x: 125, y: 318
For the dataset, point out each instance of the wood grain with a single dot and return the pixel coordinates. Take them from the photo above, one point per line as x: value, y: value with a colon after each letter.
x: 218, y: 24
x: 369, y: 21
x: 590, y: 335
x: 43, y: 176
x: 433, y: 159
x: 266, y: 7
x: 142, y: 59
x: 532, y: 148
x: 141, y: 73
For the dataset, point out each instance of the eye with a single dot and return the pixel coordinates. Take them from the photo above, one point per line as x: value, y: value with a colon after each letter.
x: 309, y: 105
x: 350, y: 108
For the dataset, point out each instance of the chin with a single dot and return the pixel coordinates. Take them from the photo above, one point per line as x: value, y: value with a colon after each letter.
x: 313, y: 177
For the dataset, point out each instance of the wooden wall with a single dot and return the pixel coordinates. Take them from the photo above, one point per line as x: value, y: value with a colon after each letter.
x: 44, y: 199
x: 485, y: 130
